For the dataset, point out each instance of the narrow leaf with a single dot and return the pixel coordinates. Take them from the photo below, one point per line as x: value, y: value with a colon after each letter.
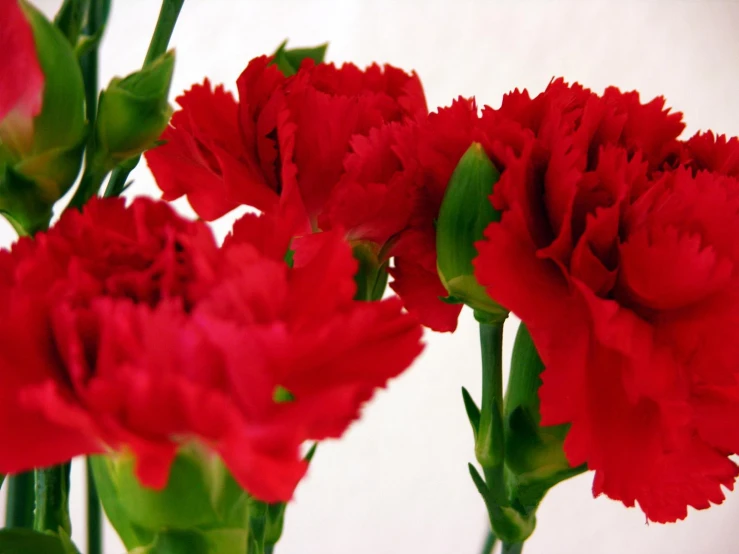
x: 482, y: 488
x: 473, y: 412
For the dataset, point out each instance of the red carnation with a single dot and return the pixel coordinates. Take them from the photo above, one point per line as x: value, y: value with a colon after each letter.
x: 399, y: 174
x: 20, y: 72
x: 620, y: 258
x: 285, y: 140
x: 128, y: 328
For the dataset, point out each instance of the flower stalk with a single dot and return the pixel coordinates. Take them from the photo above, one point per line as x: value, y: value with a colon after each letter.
x: 52, y: 499
x: 166, y: 22
x: 19, y: 509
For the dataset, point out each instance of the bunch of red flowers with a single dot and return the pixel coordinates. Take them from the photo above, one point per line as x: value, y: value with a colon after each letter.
x: 615, y: 245
x: 125, y: 328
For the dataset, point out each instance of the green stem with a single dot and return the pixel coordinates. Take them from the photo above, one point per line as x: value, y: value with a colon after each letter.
x: 490, y: 444
x: 490, y: 542
x: 96, y: 19
x: 515, y: 548
x: 166, y: 22
x: 94, y: 515
x: 90, y: 183
x: 52, y: 499
x: 269, y: 548
x: 19, y: 512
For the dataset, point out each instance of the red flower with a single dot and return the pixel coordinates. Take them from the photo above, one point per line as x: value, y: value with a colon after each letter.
x: 20, y: 72
x: 391, y: 193
x: 283, y: 143
x: 127, y: 328
x: 623, y: 265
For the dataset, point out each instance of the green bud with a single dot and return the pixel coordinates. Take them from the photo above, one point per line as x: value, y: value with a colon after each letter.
x: 132, y: 113
x: 371, y: 276
x: 534, y: 454
x: 465, y: 213
x: 45, y: 153
x: 200, y: 493
x: 289, y: 61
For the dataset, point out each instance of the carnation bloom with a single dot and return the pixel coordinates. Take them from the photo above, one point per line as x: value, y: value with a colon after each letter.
x: 283, y: 143
x: 410, y: 166
x: 617, y: 249
x: 128, y: 329
x: 20, y: 72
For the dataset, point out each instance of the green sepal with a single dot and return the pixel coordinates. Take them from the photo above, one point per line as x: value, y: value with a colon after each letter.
x: 26, y: 541
x: 200, y: 493
x: 508, y: 523
x: 451, y: 300
x: 473, y: 412
x: 464, y: 214
x: 534, y: 453
x: 311, y: 453
x: 372, y: 274
x: 48, y: 149
x: 132, y: 113
x: 61, y: 123
x: 2, y: 480
x: 289, y: 61
x: 193, y: 541
x: 22, y: 203
x: 132, y: 535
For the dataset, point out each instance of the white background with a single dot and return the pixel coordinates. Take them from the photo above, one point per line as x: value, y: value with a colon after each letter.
x: 397, y: 482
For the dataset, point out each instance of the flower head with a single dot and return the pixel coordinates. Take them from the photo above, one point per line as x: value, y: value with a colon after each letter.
x: 614, y: 250
x: 127, y: 328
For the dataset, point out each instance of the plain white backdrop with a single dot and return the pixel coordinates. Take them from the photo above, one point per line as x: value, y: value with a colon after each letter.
x: 397, y: 483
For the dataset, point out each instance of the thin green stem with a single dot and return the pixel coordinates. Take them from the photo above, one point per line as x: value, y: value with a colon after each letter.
x: 166, y: 22
x: 269, y: 548
x: 90, y: 183
x: 516, y: 548
x: 94, y: 515
x: 490, y: 542
x: 96, y: 16
x: 52, y: 499
x: 19, y: 512
x: 490, y: 445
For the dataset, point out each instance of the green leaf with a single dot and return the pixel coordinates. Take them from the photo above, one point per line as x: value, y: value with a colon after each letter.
x: 2, y: 480
x: 479, y: 482
x: 289, y: 61
x: 25, y: 541
x: 473, y: 412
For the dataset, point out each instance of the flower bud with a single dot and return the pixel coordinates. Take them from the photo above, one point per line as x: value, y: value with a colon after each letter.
x: 41, y: 153
x: 465, y: 213
x: 132, y: 113
x: 200, y: 493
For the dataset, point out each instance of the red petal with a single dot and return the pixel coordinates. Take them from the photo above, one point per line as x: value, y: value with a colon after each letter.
x: 20, y: 72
